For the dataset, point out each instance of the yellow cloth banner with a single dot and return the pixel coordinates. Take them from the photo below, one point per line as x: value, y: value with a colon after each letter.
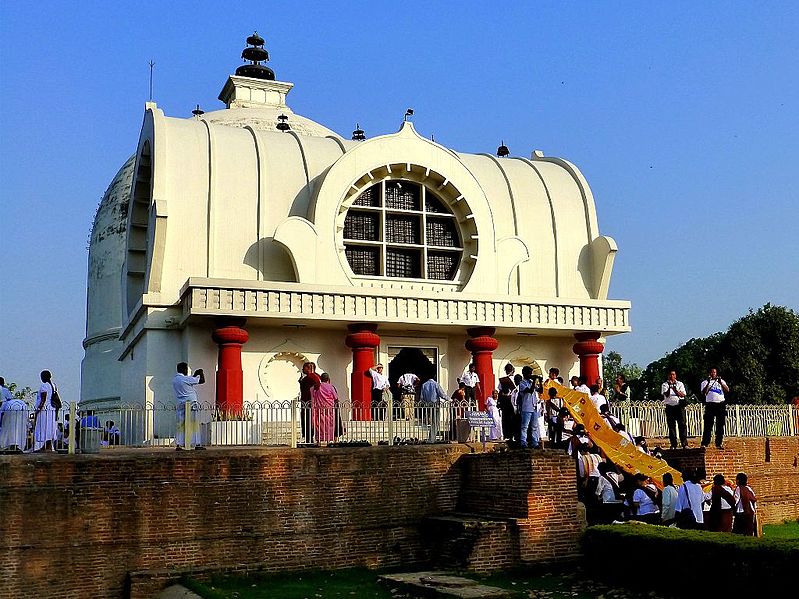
x: 617, y: 448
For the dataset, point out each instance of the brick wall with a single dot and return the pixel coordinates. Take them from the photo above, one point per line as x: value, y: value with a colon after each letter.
x: 539, y: 493
x: 74, y: 526
x: 771, y: 463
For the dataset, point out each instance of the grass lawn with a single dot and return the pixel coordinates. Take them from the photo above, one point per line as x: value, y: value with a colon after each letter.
x: 787, y: 530
x: 361, y: 583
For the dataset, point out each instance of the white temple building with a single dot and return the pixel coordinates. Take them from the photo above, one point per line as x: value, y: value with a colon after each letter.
x: 253, y: 229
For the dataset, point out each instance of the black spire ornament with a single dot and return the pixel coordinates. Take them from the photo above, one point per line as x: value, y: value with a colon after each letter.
x: 198, y: 112
x: 256, y: 54
x: 358, y: 134
x: 502, y: 150
x: 283, y: 124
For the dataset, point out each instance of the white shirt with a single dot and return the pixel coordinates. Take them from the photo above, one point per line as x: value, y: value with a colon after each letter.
x: 379, y: 380
x: 724, y: 504
x: 48, y: 389
x: 470, y: 379
x: 583, y: 389
x: 716, y: 393
x: 604, y: 490
x: 739, y: 506
x: 691, y: 495
x: 669, y: 502
x: 183, y: 386
x: 598, y: 400
x: 5, y: 394
x: 407, y: 382
x: 645, y: 503
x: 670, y: 398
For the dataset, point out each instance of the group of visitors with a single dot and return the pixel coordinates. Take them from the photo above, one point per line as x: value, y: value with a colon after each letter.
x: 21, y: 429
x: 609, y: 496
x: 46, y: 426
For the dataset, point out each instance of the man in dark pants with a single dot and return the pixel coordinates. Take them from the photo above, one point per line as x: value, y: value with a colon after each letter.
x: 506, y: 387
x: 713, y: 388
x: 673, y: 392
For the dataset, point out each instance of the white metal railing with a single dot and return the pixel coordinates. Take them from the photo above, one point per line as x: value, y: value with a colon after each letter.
x: 648, y: 418
x: 294, y: 423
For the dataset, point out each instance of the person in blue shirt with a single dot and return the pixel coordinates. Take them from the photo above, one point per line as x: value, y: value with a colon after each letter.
x: 528, y: 401
x: 431, y: 395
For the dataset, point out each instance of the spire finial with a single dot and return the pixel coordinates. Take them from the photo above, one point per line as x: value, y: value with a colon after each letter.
x: 198, y: 112
x: 502, y: 150
x: 358, y: 134
x: 255, y: 54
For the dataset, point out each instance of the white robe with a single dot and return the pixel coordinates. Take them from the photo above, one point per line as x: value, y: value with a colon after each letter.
x: 493, y: 411
x: 46, y: 429
x: 14, y: 426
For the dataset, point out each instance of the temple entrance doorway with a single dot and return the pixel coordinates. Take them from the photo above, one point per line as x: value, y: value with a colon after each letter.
x: 421, y: 361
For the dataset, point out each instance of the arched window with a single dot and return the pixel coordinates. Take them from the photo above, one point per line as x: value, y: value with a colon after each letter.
x: 402, y: 229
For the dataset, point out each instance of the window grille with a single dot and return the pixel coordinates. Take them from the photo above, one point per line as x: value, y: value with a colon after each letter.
x: 392, y: 212
x: 405, y: 263
x: 363, y: 260
x: 441, y: 232
x: 442, y: 266
x: 362, y: 226
x: 402, y: 228
x: 369, y: 197
x: 402, y: 195
x: 433, y: 204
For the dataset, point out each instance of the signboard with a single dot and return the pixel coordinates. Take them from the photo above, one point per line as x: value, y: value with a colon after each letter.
x: 479, y: 419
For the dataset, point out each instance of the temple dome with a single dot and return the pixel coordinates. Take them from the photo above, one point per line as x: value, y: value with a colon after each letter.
x: 265, y: 118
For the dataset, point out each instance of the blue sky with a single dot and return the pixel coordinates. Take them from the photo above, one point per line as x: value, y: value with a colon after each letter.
x: 684, y: 117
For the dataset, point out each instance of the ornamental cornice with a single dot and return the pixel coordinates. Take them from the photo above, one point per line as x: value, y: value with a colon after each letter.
x: 292, y: 301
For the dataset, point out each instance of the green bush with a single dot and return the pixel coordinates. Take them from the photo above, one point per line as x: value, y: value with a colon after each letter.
x: 684, y: 562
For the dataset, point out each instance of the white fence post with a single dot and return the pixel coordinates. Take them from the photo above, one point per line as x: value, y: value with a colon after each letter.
x: 187, y: 432
x: 72, y: 413
x: 390, y: 419
x: 737, y: 420
x: 294, y: 423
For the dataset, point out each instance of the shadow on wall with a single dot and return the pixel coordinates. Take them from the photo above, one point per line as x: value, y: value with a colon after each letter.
x: 585, y: 268
x: 276, y: 264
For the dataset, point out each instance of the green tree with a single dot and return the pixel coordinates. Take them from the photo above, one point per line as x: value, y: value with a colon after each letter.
x: 613, y: 365
x: 19, y: 392
x: 761, y: 356
x: 758, y: 356
x: 691, y: 361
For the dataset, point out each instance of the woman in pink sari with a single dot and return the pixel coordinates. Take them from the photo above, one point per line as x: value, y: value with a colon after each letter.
x: 323, y: 413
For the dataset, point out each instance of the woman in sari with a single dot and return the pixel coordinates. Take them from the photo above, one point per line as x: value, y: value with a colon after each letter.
x: 323, y: 413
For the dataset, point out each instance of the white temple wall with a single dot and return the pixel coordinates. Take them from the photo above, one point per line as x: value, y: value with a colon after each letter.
x: 100, y: 372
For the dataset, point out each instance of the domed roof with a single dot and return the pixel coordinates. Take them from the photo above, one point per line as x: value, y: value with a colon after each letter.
x: 107, y: 253
x: 265, y: 118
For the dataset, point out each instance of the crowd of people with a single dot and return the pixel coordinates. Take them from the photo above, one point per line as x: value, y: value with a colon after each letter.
x: 523, y: 410
x: 46, y: 427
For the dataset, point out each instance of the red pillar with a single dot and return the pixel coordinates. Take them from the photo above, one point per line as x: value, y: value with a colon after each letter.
x: 229, y: 375
x: 589, y: 350
x: 363, y: 340
x: 482, y: 345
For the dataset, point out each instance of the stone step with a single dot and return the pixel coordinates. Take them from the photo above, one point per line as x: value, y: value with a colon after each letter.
x: 470, y: 542
x: 434, y: 584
